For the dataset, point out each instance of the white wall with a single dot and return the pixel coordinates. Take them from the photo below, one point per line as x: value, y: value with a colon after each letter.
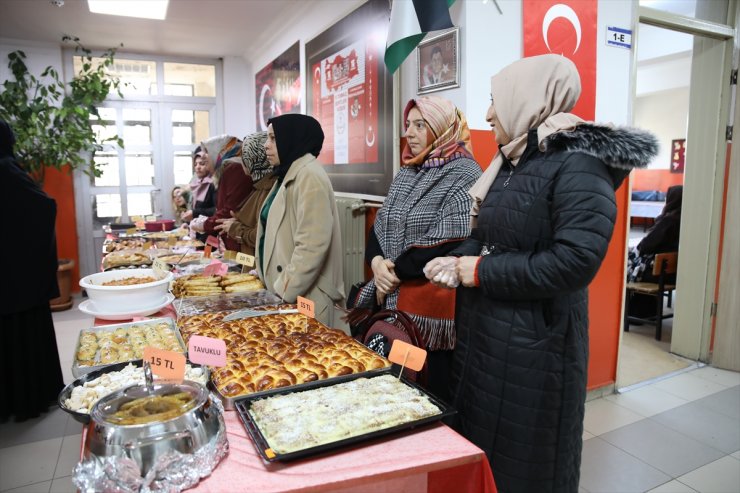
x: 666, y: 115
x: 238, y: 97
x: 38, y: 56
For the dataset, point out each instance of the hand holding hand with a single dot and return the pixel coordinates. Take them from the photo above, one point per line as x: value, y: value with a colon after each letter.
x: 466, y: 270
x: 386, y: 280
x: 441, y: 272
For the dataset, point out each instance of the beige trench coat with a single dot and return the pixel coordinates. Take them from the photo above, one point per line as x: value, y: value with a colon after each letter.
x: 303, y: 246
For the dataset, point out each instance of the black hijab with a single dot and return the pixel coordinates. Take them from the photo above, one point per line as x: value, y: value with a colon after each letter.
x: 295, y: 136
x: 7, y: 140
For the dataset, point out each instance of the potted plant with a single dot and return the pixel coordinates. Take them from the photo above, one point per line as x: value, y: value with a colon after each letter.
x: 51, y: 121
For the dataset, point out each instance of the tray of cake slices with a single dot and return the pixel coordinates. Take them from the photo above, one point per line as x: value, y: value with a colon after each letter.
x: 98, y: 347
x: 293, y: 423
x: 278, y: 350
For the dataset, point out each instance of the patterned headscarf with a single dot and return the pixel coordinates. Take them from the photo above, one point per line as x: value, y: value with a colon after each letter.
x: 534, y: 92
x: 220, y: 149
x: 254, y: 158
x: 449, y: 128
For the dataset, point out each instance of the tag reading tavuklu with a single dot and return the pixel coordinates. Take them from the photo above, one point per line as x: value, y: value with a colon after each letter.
x: 207, y: 351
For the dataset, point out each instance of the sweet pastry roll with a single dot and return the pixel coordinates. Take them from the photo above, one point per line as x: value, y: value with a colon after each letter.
x: 338, y: 369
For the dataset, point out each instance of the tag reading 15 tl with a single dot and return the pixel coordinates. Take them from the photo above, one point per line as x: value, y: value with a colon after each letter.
x: 167, y: 365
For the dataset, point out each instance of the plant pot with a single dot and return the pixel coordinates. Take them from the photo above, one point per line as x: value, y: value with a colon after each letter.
x: 64, y: 279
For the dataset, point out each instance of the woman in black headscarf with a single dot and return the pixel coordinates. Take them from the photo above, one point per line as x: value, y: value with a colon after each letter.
x: 29, y: 358
x: 299, y: 245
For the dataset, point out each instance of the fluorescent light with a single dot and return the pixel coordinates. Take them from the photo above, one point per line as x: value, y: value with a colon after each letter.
x: 145, y: 9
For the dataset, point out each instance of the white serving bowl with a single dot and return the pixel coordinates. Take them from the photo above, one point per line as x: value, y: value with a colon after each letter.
x: 125, y: 298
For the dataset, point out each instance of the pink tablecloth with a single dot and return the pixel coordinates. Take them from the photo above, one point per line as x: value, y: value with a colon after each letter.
x: 433, y: 459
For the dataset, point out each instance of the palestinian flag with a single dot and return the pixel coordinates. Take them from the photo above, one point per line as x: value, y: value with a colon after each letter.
x: 410, y: 21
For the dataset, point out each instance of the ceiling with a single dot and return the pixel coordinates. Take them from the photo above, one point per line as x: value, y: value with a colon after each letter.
x: 202, y: 28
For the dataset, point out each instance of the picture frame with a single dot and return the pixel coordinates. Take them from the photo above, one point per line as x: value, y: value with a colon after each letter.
x: 438, y: 62
x: 277, y: 87
x: 678, y: 155
x: 350, y: 92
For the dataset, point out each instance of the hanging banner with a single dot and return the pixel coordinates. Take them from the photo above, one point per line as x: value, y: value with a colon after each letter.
x: 568, y: 28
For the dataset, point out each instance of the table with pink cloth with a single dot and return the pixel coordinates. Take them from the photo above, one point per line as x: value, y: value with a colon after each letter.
x: 430, y: 459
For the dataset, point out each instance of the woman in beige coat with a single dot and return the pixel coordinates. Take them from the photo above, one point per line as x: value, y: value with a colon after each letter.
x: 299, y: 250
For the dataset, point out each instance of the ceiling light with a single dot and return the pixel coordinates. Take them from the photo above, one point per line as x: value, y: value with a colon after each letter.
x: 146, y: 9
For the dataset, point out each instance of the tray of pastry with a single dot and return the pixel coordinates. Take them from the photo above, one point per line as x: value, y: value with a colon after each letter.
x: 281, y: 350
x: 202, y: 285
x: 224, y: 302
x: 287, y: 424
x: 98, y: 347
x: 118, y: 244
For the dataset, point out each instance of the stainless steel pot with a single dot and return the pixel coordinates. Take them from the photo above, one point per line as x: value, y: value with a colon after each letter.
x: 145, y: 443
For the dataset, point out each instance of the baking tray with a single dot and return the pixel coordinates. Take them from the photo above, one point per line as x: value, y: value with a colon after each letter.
x: 225, y: 302
x: 242, y: 406
x: 78, y: 370
x: 85, y: 417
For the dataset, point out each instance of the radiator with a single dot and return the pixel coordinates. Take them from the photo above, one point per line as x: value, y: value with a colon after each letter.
x: 352, y: 223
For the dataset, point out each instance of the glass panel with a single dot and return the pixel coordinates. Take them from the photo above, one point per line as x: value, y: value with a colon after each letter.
x: 715, y: 11
x: 137, y: 126
x: 137, y: 76
x: 139, y: 168
x: 140, y: 204
x: 189, y: 127
x: 182, y: 167
x: 106, y: 209
x: 104, y: 127
x: 188, y: 79
x: 109, y: 166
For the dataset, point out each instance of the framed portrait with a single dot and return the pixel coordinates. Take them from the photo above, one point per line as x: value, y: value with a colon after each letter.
x: 438, y: 62
x: 678, y: 155
x: 350, y: 92
x: 278, y: 87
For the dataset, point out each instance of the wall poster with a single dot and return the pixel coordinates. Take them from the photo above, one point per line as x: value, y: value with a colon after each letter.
x: 278, y: 87
x: 350, y: 92
x: 678, y: 155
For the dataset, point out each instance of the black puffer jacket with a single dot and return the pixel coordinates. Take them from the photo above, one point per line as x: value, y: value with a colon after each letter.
x: 519, y: 372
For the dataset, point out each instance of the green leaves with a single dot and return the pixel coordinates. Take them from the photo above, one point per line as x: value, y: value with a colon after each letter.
x: 51, y: 120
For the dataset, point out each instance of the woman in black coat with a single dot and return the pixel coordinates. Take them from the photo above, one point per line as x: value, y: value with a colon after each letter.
x: 544, y: 213
x: 32, y: 377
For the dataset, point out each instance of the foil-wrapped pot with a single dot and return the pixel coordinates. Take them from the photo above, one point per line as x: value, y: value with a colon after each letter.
x: 152, y: 439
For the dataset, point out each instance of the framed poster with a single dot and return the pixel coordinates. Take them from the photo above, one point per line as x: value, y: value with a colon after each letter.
x: 438, y: 62
x: 350, y: 92
x: 678, y: 155
x: 277, y: 87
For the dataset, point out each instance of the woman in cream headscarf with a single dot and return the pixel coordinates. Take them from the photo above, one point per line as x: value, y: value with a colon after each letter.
x: 425, y: 215
x: 242, y: 226
x: 544, y: 213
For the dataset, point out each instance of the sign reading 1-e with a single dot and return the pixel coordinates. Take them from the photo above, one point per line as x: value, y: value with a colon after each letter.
x: 617, y: 36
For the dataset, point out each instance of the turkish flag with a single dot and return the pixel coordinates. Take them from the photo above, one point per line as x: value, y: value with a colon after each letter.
x: 568, y: 28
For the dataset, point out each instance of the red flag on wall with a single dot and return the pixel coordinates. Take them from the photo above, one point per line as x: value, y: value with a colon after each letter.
x: 568, y: 28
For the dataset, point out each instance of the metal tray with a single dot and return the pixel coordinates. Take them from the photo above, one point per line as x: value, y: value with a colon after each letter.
x: 244, y: 404
x: 84, y: 418
x: 78, y: 370
x: 224, y: 302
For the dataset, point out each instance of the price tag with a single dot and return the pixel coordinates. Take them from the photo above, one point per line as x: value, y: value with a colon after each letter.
x: 139, y: 224
x: 131, y: 231
x: 160, y: 267
x: 171, y: 240
x: 407, y: 355
x: 213, y: 241
x: 151, y: 218
x: 229, y: 254
x: 207, y: 351
x: 245, y: 259
x: 167, y: 365
x: 147, y: 245
x: 269, y: 453
x: 306, y: 306
x: 207, y: 251
x: 215, y: 268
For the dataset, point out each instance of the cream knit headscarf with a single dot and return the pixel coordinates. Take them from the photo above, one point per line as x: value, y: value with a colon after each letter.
x: 535, y: 92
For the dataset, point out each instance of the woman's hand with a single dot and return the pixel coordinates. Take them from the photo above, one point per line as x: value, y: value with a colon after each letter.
x: 224, y: 225
x: 187, y: 216
x: 466, y: 270
x: 386, y: 280
x: 441, y: 272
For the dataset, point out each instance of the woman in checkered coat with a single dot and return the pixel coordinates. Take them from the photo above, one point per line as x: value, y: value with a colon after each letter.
x: 425, y: 215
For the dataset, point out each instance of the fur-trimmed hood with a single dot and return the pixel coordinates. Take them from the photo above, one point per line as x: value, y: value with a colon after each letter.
x: 621, y: 148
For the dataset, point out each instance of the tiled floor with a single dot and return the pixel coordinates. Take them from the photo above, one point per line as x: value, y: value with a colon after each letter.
x: 679, y: 434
